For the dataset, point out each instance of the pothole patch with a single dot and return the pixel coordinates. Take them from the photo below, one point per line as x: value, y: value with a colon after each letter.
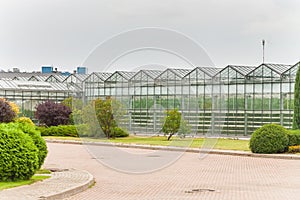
x: 57, y: 170
x: 200, y: 190
x: 153, y: 156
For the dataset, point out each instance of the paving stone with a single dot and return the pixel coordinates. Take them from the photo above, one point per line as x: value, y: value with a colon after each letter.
x: 60, y: 185
x: 212, y: 177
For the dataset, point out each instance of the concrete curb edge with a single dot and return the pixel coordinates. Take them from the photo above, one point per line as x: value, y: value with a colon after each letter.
x: 71, y: 191
x: 190, y: 150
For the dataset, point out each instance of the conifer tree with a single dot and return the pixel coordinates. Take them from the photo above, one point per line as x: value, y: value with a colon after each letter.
x: 296, y: 117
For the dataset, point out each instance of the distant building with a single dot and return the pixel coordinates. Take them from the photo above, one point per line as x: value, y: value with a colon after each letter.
x: 16, y: 70
x: 65, y: 73
x: 81, y: 70
x: 47, y: 69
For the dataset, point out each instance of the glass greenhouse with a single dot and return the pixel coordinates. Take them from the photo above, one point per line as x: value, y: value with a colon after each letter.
x: 27, y: 94
x: 236, y: 99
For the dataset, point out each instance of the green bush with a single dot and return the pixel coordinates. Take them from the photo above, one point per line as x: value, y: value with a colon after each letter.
x: 37, y: 139
x: 82, y: 130
x: 24, y: 120
x: 294, y: 137
x: 61, y: 130
x: 18, y: 154
x: 270, y: 138
x: 119, y: 132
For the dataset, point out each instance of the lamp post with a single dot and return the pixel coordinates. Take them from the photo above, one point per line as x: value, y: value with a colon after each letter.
x: 263, y: 45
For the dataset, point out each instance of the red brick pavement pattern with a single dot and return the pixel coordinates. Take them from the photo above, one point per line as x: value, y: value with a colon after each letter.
x: 58, y: 182
x: 231, y: 177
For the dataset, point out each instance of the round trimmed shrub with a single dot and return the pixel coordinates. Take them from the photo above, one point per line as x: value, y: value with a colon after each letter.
x: 18, y: 154
x: 37, y: 139
x: 270, y: 138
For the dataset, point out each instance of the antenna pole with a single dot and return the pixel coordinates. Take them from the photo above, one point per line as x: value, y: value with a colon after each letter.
x: 263, y: 46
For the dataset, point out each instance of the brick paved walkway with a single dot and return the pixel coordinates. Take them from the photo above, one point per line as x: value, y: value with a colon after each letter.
x: 213, y: 177
x: 52, y: 187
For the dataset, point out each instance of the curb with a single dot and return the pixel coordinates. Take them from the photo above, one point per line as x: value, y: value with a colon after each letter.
x: 71, y: 191
x: 190, y: 150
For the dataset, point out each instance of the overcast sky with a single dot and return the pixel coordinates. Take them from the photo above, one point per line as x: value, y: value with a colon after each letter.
x: 62, y: 33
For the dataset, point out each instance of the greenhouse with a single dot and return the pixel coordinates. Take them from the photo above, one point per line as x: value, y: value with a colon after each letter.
x: 234, y: 100
x: 27, y: 94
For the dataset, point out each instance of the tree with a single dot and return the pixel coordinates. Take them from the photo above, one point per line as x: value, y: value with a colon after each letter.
x: 109, y: 113
x: 296, y: 116
x: 89, y: 118
x: 7, y: 114
x: 76, y: 107
x: 171, y: 122
x: 53, y: 114
x: 104, y: 114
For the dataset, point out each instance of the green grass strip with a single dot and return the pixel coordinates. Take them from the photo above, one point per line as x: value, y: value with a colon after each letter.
x: 11, y: 184
x: 215, y: 143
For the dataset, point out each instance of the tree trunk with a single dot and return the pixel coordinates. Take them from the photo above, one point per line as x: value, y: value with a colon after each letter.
x: 169, y: 137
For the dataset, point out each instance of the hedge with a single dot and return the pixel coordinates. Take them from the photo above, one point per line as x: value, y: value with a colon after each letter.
x: 294, y: 137
x: 82, y: 130
x: 61, y: 130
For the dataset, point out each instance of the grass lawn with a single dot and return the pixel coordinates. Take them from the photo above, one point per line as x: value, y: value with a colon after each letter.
x: 43, y: 171
x: 6, y: 185
x: 220, y: 143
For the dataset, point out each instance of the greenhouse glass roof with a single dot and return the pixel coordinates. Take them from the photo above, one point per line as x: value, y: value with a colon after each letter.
x: 236, y: 73
x: 244, y: 70
x: 269, y: 71
x: 146, y: 75
x: 37, y: 78
x: 76, y: 78
x: 292, y: 71
x: 97, y: 77
x: 202, y: 73
x: 279, y: 68
x: 102, y: 75
x: 211, y: 71
x: 11, y: 75
x: 120, y: 76
x: 153, y: 73
x: 35, y: 86
x: 55, y: 78
x: 23, y: 78
x: 173, y: 74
